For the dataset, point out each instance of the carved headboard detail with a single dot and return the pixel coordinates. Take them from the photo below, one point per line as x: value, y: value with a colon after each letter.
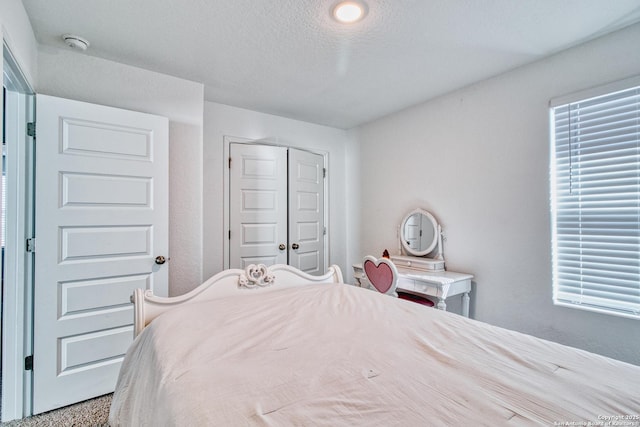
x: 256, y: 276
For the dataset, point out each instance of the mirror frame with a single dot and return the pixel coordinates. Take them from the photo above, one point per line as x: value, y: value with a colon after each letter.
x: 436, y: 233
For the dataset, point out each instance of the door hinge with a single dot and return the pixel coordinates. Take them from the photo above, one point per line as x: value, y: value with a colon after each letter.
x: 28, y: 363
x: 229, y: 162
x: 324, y: 172
x: 229, y: 234
x: 31, y: 244
x: 324, y: 231
x: 31, y: 129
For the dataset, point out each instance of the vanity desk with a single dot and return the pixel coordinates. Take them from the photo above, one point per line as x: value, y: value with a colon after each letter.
x: 420, y: 265
x: 439, y: 285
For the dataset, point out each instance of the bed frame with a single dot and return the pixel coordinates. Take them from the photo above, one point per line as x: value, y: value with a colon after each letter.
x: 255, y: 278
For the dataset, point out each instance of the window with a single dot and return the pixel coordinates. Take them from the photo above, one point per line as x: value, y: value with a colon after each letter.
x: 595, y: 201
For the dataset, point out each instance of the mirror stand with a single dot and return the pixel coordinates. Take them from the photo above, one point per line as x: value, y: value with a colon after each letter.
x: 419, y: 235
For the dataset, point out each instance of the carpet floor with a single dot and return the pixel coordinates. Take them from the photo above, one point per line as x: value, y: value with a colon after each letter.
x: 90, y: 413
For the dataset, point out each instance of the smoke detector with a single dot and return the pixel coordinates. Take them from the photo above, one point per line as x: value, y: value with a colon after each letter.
x: 75, y: 42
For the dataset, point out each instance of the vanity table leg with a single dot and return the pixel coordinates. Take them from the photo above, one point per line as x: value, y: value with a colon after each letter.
x: 441, y: 305
x: 465, y: 304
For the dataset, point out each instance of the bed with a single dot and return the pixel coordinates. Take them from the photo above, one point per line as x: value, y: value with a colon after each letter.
x: 274, y: 346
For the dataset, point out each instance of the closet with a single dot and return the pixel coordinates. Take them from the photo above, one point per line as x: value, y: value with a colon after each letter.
x: 276, y: 207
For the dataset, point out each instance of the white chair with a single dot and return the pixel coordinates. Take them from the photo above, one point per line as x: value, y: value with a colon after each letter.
x: 382, y: 274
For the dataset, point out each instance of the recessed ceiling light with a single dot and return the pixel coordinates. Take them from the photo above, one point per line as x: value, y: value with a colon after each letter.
x: 349, y: 12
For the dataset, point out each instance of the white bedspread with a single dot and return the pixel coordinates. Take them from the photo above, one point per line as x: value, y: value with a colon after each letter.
x: 336, y: 355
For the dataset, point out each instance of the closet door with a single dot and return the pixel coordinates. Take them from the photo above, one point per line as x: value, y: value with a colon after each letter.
x: 306, y: 211
x: 258, y: 205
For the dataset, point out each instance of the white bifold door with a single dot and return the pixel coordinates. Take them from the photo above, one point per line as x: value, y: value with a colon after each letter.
x: 101, y: 226
x: 276, y: 212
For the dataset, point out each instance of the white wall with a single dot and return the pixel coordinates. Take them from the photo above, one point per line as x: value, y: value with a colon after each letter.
x: 18, y: 35
x: 478, y: 159
x: 72, y: 75
x: 222, y: 120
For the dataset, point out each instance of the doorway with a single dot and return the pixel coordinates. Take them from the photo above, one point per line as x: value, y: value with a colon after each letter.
x: 276, y: 207
x: 18, y: 110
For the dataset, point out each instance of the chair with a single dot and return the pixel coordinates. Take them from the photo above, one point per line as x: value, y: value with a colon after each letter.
x: 383, y: 276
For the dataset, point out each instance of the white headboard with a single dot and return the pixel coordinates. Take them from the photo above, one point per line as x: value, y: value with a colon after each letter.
x: 255, y: 278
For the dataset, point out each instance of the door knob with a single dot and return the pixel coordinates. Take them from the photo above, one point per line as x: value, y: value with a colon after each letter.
x: 282, y: 246
x: 160, y: 260
x: 295, y: 246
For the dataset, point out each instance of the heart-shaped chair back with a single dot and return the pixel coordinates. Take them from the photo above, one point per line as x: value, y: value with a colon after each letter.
x: 382, y: 274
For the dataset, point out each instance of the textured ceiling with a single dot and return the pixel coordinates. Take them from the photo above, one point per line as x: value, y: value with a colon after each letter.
x: 289, y: 58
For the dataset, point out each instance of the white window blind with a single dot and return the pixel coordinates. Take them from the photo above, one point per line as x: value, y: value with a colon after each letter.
x: 595, y: 174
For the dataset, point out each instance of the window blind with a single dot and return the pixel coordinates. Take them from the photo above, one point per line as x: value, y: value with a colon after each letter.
x: 595, y: 203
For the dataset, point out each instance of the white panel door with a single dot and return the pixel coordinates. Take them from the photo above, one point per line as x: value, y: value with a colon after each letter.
x: 101, y: 220
x: 412, y: 231
x: 306, y: 211
x: 258, y: 205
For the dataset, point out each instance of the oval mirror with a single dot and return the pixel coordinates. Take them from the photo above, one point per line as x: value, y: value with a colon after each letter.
x: 419, y: 232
